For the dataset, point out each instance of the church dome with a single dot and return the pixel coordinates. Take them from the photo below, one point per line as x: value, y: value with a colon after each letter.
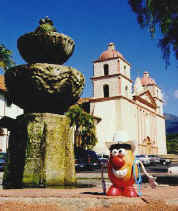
x: 110, y: 53
x: 147, y: 80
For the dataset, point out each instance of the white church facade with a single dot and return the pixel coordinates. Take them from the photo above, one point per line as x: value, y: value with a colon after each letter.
x: 136, y: 108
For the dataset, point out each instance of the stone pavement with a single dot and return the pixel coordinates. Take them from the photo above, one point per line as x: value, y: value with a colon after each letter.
x: 88, y: 198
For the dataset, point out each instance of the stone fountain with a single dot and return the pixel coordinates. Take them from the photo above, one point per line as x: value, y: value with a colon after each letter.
x: 40, y: 151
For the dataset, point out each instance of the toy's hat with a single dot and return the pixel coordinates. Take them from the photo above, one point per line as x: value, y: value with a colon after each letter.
x: 121, y: 137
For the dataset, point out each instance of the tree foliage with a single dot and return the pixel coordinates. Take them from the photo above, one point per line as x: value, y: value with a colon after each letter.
x: 159, y: 15
x: 172, y: 143
x: 85, y: 131
x: 5, y: 58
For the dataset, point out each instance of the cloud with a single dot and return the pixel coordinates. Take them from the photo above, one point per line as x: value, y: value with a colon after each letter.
x: 176, y: 94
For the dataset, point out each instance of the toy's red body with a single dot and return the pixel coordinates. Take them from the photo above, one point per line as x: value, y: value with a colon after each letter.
x: 120, y: 172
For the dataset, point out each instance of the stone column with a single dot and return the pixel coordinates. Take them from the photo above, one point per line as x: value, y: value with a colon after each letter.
x: 40, y: 152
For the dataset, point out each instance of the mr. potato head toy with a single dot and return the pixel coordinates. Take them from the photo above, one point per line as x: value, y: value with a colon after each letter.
x: 123, y: 168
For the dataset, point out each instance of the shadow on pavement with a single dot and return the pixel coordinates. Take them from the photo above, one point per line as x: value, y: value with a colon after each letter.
x: 94, y: 193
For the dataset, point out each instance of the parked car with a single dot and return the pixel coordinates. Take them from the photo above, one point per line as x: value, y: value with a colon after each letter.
x: 155, y: 159
x: 165, y: 161
x: 86, y: 160
x: 144, y: 158
x: 104, y: 162
x: 93, y: 161
x: 83, y: 165
x: 3, y: 160
x: 173, y: 171
x: 80, y: 166
x: 103, y: 158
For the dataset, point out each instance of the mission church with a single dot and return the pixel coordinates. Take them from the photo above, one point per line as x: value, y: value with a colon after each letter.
x: 136, y: 108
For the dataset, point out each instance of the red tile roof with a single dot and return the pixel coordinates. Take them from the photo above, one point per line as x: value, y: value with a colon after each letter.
x: 83, y: 100
x: 147, y: 80
x: 2, y: 83
x: 110, y: 53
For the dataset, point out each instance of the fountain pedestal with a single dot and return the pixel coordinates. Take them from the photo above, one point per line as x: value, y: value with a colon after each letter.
x: 41, y: 148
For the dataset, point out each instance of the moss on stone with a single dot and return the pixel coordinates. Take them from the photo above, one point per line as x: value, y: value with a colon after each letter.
x: 48, y: 155
x: 30, y: 86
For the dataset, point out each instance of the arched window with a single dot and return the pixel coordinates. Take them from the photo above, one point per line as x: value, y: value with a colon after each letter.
x: 125, y: 71
x: 126, y: 91
x: 106, y: 69
x: 106, y: 90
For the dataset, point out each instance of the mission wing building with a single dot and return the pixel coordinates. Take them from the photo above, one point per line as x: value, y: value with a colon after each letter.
x: 135, y: 108
x: 11, y: 111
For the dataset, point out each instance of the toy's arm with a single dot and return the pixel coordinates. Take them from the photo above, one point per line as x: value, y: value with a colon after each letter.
x: 151, y: 179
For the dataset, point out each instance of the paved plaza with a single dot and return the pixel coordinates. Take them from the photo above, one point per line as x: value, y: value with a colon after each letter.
x: 89, y: 197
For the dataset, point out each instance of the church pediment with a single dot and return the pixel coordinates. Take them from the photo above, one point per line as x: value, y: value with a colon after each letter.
x: 146, y: 98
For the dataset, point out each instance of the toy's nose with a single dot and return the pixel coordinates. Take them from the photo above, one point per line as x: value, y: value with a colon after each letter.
x: 117, y: 162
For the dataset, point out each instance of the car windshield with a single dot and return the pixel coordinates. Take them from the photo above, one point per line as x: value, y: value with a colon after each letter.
x: 140, y: 156
x: 152, y: 156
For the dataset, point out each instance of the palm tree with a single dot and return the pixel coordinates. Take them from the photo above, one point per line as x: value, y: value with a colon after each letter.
x: 5, y: 58
x: 5, y: 63
x: 85, y: 131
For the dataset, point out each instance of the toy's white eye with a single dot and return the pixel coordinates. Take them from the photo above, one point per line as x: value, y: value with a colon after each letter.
x: 121, y: 151
x: 115, y: 152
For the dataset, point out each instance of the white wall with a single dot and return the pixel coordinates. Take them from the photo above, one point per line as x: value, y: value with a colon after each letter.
x: 120, y: 114
x: 124, y: 68
x: 106, y: 127
x: 11, y: 111
x: 161, y: 136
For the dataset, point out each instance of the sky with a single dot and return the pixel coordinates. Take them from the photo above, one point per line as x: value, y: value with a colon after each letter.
x: 92, y: 25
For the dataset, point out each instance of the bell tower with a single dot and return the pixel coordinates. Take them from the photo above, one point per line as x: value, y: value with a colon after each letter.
x: 112, y: 90
x: 150, y: 84
x: 111, y: 75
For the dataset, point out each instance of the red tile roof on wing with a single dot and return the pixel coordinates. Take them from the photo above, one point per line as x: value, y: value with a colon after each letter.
x: 2, y: 83
x: 83, y: 100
